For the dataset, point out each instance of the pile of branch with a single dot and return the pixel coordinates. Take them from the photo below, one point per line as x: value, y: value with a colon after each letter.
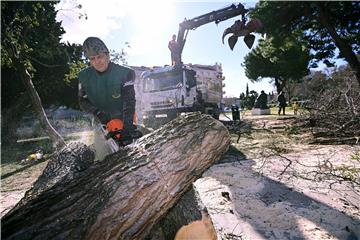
x: 123, y: 196
x: 336, y: 112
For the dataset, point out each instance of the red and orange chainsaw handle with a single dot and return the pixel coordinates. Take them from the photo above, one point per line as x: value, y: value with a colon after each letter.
x: 115, y: 128
x: 115, y: 125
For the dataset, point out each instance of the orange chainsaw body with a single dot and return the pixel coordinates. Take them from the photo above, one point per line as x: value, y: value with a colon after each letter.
x: 115, y: 125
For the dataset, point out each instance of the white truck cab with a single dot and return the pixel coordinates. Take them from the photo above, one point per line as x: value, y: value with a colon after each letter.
x: 172, y: 90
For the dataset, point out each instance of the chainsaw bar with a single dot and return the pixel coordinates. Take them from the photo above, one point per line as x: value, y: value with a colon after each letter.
x: 114, y: 146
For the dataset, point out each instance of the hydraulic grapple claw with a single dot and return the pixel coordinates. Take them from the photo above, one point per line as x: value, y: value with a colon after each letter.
x: 239, y: 29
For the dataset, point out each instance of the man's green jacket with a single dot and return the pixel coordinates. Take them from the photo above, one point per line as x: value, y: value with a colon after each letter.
x: 111, y: 92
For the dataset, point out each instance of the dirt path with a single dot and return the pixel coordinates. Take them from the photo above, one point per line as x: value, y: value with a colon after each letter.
x: 14, y: 186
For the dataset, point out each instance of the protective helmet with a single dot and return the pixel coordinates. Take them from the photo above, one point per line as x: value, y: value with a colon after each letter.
x: 94, y: 46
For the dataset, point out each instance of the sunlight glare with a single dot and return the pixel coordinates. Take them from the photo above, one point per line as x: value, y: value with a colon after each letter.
x: 152, y: 21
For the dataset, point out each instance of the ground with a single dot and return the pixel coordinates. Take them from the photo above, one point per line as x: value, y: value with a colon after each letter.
x: 274, y: 183
x: 277, y: 184
x: 17, y: 177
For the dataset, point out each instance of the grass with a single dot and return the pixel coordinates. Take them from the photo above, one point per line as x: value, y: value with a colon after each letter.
x: 11, y: 155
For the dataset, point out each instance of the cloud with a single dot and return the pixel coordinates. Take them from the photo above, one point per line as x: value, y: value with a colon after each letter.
x: 102, y: 18
x: 143, y: 23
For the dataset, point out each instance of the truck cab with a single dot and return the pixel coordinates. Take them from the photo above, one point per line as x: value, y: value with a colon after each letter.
x: 169, y: 91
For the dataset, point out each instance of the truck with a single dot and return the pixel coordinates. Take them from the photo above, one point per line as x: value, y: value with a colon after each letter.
x: 172, y: 90
x: 169, y: 91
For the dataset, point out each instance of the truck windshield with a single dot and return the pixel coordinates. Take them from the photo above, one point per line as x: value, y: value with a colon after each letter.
x: 163, y: 81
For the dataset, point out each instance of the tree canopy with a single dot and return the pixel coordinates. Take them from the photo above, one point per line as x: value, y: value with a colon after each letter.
x: 30, y: 30
x: 324, y: 26
x: 34, y: 64
x: 283, y: 60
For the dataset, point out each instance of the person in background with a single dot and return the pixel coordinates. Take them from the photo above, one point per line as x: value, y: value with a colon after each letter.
x: 261, y: 101
x: 295, y: 106
x: 282, y: 102
x: 106, y: 89
x: 175, y: 51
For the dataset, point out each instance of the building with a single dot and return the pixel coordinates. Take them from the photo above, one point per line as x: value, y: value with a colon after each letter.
x: 209, y: 80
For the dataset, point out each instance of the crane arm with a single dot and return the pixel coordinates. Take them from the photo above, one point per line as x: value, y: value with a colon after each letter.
x: 214, y: 16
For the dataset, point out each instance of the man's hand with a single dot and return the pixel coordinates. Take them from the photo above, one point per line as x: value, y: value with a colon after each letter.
x: 129, y: 136
x: 130, y: 127
x: 126, y: 135
x: 102, y: 116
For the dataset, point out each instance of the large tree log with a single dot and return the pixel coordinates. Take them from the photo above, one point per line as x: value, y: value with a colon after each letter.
x: 187, y: 210
x: 123, y: 196
x: 190, y: 206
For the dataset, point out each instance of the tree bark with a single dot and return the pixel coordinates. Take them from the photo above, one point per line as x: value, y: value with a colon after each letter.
x: 55, y: 137
x: 123, y: 196
x: 279, y: 84
x: 188, y: 209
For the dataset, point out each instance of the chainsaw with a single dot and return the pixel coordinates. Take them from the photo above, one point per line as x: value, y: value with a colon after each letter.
x: 116, y: 136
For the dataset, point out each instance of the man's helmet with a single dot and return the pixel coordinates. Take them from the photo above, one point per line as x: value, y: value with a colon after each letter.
x: 94, y: 46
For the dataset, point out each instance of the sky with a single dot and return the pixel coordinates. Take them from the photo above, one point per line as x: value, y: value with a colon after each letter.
x: 148, y: 26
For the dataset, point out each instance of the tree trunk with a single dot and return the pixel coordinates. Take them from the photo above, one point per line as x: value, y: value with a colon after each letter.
x: 187, y: 210
x: 55, y: 137
x: 279, y: 84
x: 123, y: 196
x: 344, y: 47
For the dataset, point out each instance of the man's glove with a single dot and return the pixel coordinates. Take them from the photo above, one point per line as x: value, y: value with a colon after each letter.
x: 128, y: 124
x: 103, y: 117
x: 129, y: 134
x: 130, y: 127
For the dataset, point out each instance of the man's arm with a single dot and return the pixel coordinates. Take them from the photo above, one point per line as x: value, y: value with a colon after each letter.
x: 84, y: 102
x: 87, y: 106
x: 129, y: 101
